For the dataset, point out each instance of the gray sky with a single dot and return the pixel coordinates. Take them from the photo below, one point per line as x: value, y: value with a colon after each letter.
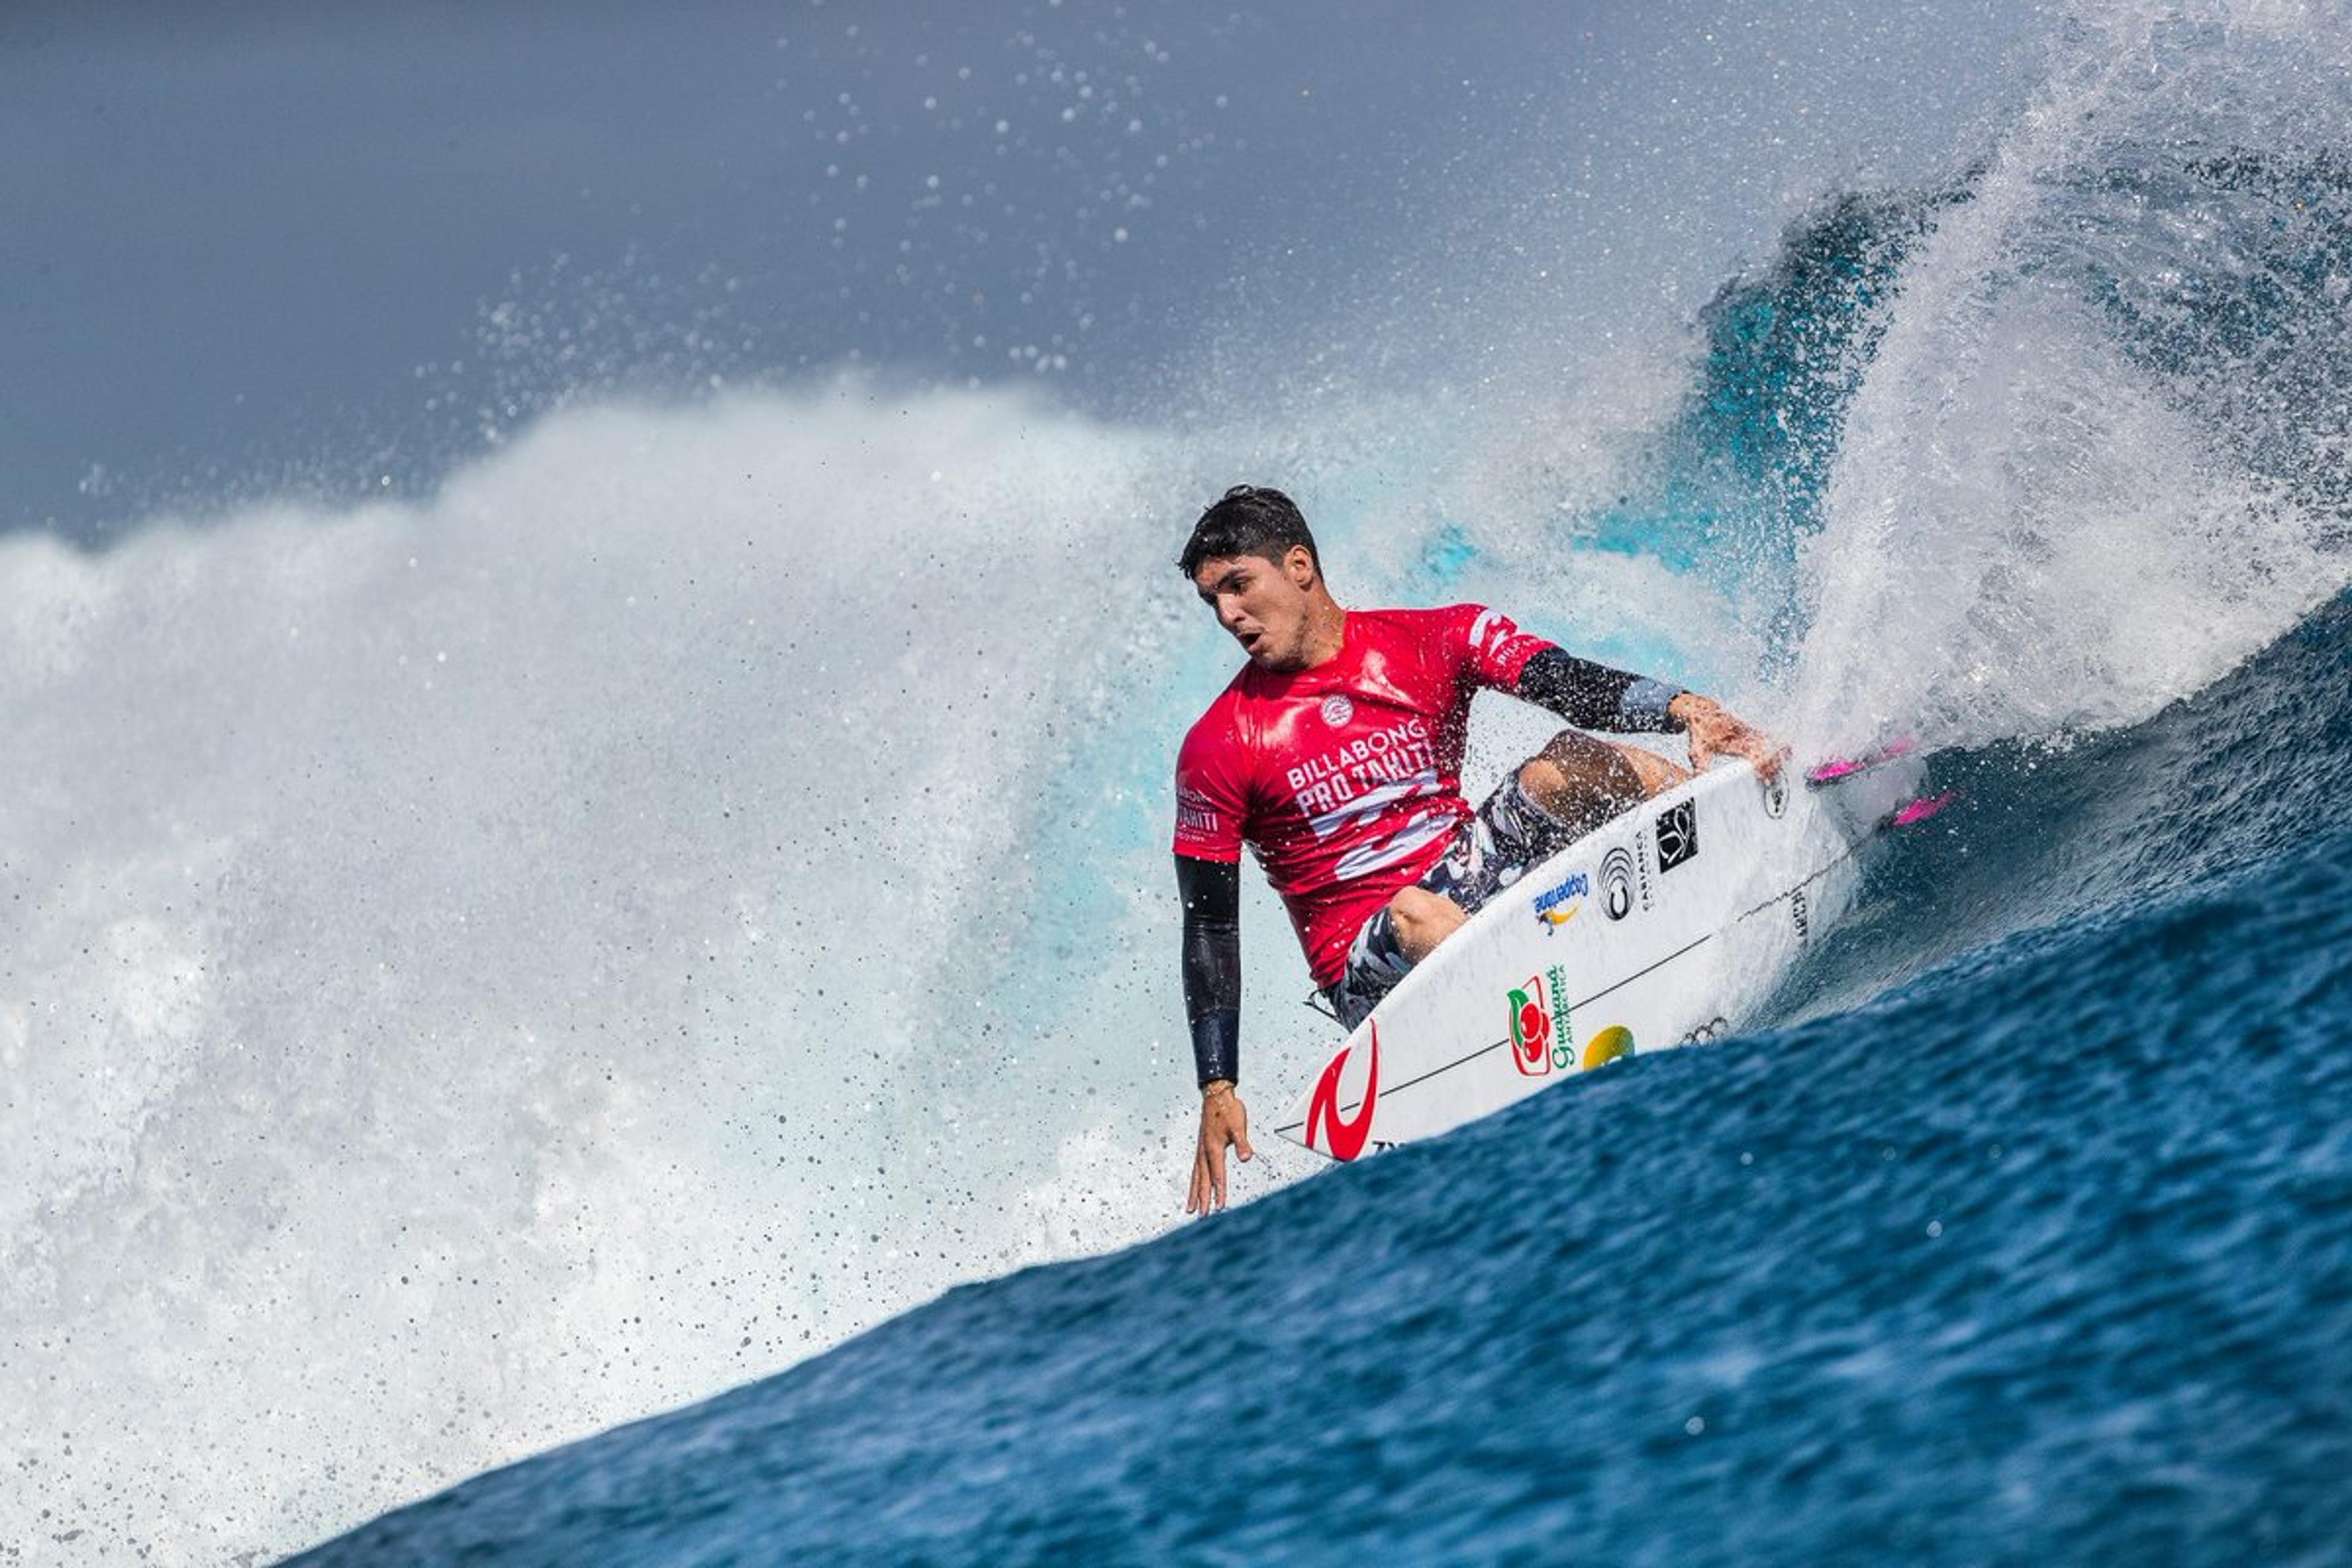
x: 254, y: 247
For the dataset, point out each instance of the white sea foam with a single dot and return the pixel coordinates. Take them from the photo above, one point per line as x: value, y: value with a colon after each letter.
x: 488, y: 970
x: 478, y: 971
x: 2072, y: 486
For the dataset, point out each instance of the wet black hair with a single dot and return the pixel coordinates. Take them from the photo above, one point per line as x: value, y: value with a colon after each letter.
x: 1248, y: 520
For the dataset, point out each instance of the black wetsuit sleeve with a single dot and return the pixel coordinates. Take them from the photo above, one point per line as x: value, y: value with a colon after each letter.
x: 1212, y: 892
x: 1594, y: 696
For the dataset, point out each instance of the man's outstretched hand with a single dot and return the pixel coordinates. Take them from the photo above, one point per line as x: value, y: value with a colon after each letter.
x: 1224, y: 1120
x: 1715, y: 732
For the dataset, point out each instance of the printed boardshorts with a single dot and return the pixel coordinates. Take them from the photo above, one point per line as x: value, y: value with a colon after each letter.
x: 1491, y: 850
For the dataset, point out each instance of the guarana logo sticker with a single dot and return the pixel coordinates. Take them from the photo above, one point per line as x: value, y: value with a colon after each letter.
x: 1539, y: 1023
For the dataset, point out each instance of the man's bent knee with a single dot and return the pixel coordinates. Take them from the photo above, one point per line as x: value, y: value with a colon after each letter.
x: 1581, y: 782
x: 1422, y: 920
x: 1657, y: 775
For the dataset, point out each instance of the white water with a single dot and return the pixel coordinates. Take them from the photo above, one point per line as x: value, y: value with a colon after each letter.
x: 2026, y: 532
x: 469, y: 968
x: 480, y: 972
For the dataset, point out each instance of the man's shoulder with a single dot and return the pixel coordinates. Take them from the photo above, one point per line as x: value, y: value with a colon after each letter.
x: 1422, y: 617
x: 1220, y: 722
x: 1469, y: 641
x: 1418, y: 627
x: 1222, y: 707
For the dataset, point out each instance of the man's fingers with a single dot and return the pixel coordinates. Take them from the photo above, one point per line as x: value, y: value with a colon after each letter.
x: 1715, y: 733
x: 1761, y: 750
x: 1209, y: 1189
x: 1198, y: 1203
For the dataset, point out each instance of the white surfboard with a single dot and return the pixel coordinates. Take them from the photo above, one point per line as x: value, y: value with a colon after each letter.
x: 1668, y: 926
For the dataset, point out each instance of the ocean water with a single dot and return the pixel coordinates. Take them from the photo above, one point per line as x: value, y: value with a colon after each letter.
x: 661, y: 926
x: 2042, y: 1255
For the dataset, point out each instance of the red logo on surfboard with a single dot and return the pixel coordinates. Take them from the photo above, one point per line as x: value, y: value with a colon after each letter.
x: 1344, y: 1139
x: 1530, y: 1027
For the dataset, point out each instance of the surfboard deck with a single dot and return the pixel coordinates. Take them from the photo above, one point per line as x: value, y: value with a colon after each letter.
x: 1668, y: 926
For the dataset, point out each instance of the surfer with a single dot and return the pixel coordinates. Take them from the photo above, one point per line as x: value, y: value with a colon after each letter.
x: 1335, y: 754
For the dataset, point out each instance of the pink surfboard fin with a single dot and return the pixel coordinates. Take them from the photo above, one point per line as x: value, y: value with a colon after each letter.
x: 1919, y: 810
x: 1831, y: 769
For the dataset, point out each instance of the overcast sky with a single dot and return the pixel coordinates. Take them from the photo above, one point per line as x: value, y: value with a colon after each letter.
x: 323, y: 246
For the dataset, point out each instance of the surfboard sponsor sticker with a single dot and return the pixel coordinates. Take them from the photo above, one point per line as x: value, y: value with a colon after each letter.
x: 1776, y: 795
x: 1539, y: 1023
x: 1555, y: 906
x: 1610, y: 1045
x: 1678, y: 835
x: 1617, y: 883
x: 1343, y: 1138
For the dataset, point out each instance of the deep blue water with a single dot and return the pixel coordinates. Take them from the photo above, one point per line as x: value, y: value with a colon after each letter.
x: 2043, y: 1254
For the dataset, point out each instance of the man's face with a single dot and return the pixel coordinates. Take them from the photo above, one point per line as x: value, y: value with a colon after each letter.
x: 1264, y: 604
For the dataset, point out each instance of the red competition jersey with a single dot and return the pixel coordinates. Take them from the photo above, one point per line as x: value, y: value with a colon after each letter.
x: 1346, y: 779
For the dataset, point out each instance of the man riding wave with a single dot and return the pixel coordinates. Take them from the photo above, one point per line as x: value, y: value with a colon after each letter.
x: 1336, y: 755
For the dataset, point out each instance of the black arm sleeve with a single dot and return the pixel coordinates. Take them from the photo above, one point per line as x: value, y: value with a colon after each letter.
x: 1212, y: 892
x: 1594, y: 696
